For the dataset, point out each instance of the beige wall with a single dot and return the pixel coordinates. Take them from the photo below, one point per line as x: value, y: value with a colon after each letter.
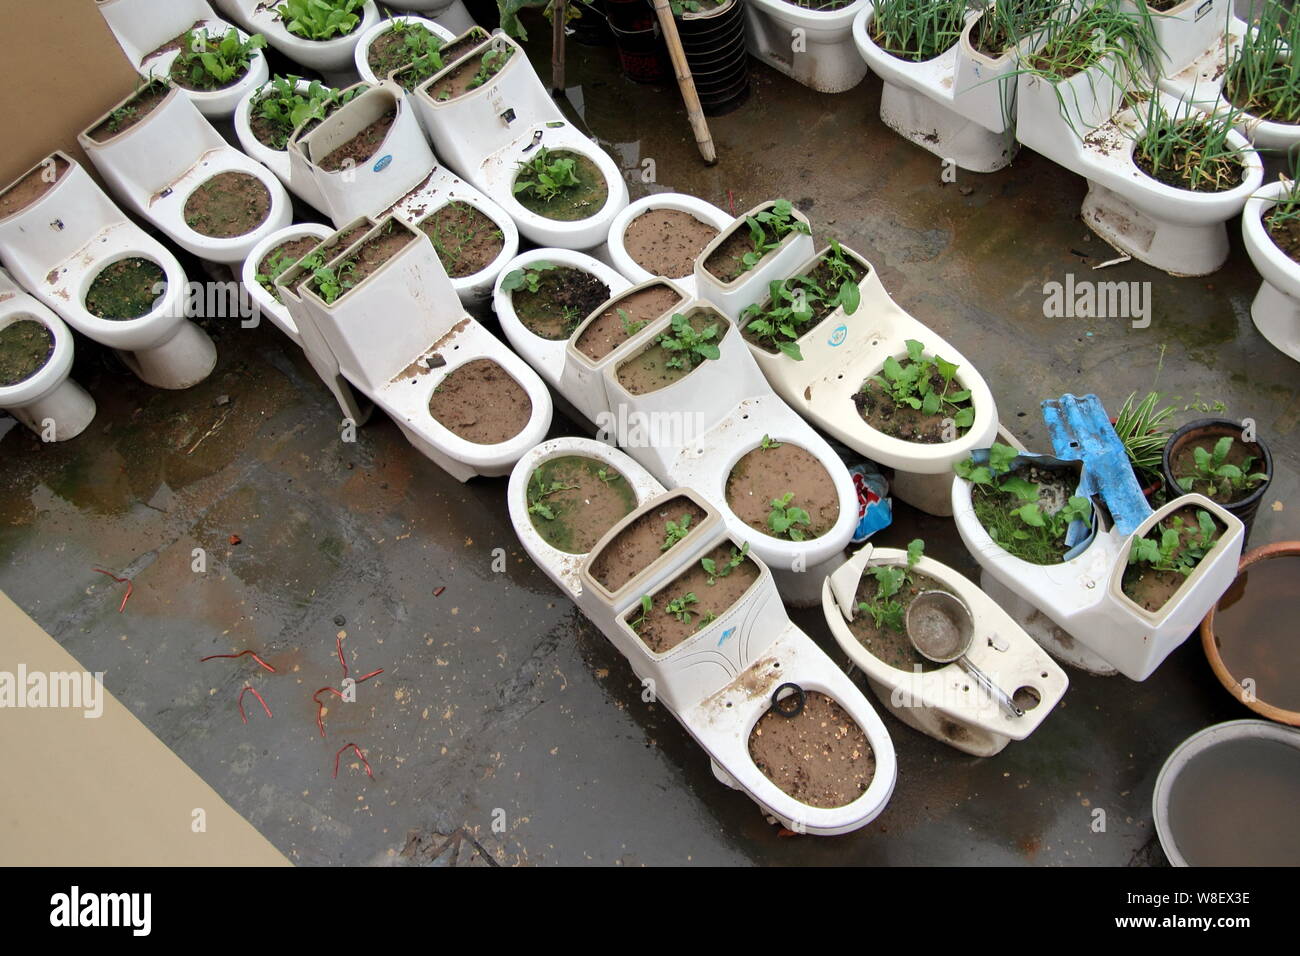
x: 62, y: 69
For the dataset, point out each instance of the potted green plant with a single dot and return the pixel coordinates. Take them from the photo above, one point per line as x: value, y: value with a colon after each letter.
x: 1141, y: 426
x: 1215, y: 457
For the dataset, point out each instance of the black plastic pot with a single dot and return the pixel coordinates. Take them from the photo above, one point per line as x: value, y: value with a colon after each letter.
x: 714, y: 43
x: 1214, y: 429
x: 642, y: 54
x: 592, y: 28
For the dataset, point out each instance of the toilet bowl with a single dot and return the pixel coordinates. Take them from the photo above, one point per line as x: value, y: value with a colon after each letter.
x: 154, y: 166
x: 841, y: 352
x: 1083, y: 596
x: 267, y: 304
x: 814, y: 47
x: 400, y: 333
x: 56, y: 244
x: 623, y: 261
x: 1196, y: 46
x: 332, y: 58
x: 46, y: 400
x: 733, y: 296
x: 956, y: 105
x: 144, y: 27
x: 1177, y: 230
x: 485, y: 133
x: 720, y: 680
x: 547, y: 356
x: 361, y: 54
x: 942, y: 700
x: 452, y: 15
x: 1276, y: 309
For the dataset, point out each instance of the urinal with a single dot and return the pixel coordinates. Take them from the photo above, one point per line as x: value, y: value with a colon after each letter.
x: 957, y: 106
x: 147, y: 29
x: 1197, y: 41
x: 1083, y: 594
x: 485, y: 132
x: 814, y: 47
x: 157, y: 165
x: 1177, y: 230
x: 941, y: 700
x: 841, y: 352
x: 361, y: 55
x: 45, y: 399
x: 308, y: 235
x: 332, y: 57
x: 723, y: 678
x: 59, y: 232
x: 733, y: 295
x: 547, y: 356
x: 1276, y: 309
x: 400, y: 335
x: 668, y: 204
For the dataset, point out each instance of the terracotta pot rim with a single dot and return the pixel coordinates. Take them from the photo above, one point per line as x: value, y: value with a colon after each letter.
x: 1279, y: 714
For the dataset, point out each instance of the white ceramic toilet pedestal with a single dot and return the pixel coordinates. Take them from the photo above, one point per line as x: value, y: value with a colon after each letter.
x: 331, y: 58
x: 48, y: 402
x: 297, y: 178
x: 616, y: 254
x: 1276, y: 308
x: 58, y: 244
x: 814, y: 47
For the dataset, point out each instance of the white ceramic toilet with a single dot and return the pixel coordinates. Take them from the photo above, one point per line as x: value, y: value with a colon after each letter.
x: 616, y: 251
x: 814, y: 47
x: 842, y: 352
x: 57, y: 244
x: 956, y: 106
x: 297, y: 178
x: 484, y: 134
x: 47, y: 401
x: 399, y: 333
x: 331, y: 58
x: 142, y: 27
x: 1177, y: 230
x: 155, y: 165
x: 1276, y: 309
x: 267, y: 304
x: 547, y: 356
x: 361, y: 55
x: 720, y: 680
x: 942, y: 701
x: 733, y: 296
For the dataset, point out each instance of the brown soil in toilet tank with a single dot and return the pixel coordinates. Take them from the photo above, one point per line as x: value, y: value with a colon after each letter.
x: 127, y: 289
x: 409, y: 78
x: 469, y: 76
x: 1255, y: 630
x: 32, y: 186
x: 641, y: 543
x: 1184, y: 461
x: 175, y: 43
x: 131, y: 112
x: 648, y: 371
x: 481, y: 402
x: 609, y: 330
x: 466, y: 240
x: 282, y: 257
x: 361, y: 147
x: 765, y: 474
x: 25, y: 347
x: 820, y: 757
x: 662, y: 629
x: 574, y: 500
x: 228, y: 205
x: 373, y: 253
x: 1150, y: 588
x: 582, y: 201
x: 725, y: 262
x: 564, y: 297
x: 901, y: 421
x: 1285, y: 235
x: 666, y: 242
x: 888, y: 645
x: 389, y: 52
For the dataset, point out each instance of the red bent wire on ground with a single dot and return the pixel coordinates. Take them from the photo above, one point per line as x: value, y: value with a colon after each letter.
x: 213, y: 657
x: 360, y: 755
x: 129, y: 587
x: 320, y: 704
x: 247, y: 688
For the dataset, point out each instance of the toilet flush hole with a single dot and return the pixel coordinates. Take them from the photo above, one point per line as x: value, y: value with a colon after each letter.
x: 1027, y: 698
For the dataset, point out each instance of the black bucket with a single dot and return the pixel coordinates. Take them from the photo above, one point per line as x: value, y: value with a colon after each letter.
x: 715, y: 52
x: 1216, y: 428
x: 642, y: 53
x: 592, y: 28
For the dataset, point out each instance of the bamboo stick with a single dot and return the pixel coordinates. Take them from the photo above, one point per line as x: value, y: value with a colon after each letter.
x: 686, y: 82
x: 558, y: 13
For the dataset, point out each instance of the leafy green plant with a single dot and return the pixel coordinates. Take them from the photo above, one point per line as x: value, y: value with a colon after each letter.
x: 418, y: 58
x: 918, y: 30
x: 794, y: 305
x: 545, y: 176
x: 769, y: 443
x: 715, y: 570
x: 1216, y: 476
x: 631, y: 328
x: 205, y: 65
x: 680, y: 607
x: 1004, y: 24
x: 784, y: 518
x: 488, y: 66
x: 276, y: 264
x: 1142, y: 429
x: 913, y: 384
x: 883, y: 608
x: 320, y: 19
x: 1178, y: 548
x: 608, y: 477
x: 674, y: 531
x: 528, y: 278
x: 1263, y: 74
x: 129, y: 112
x: 768, y: 229
x: 539, y: 491
x: 284, y: 107
x: 1188, y: 149
x: 687, y: 347
x: 333, y: 281
x: 647, y: 605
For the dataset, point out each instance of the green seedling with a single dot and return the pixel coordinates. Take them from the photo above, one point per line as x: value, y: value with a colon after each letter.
x: 674, y: 531
x: 679, y: 607
x: 1189, y: 149
x: 686, y: 347
x: 631, y: 328
x: 768, y: 229
x: 883, y: 608
x: 546, y: 176
x: 647, y: 605
x: 715, y: 571
x: 207, y: 63
x: 1173, y: 551
x: 1263, y: 75
x: 918, y: 30
x: 913, y: 385
x: 539, y: 491
x: 529, y: 278
x: 785, y: 518
x: 607, y: 476
x: 333, y: 281
x: 285, y: 108
x: 769, y: 443
x: 1212, y: 472
x: 275, y: 266
x: 320, y: 19
x: 707, y: 619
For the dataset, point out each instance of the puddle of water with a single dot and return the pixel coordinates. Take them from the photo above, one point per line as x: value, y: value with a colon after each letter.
x: 1255, y: 630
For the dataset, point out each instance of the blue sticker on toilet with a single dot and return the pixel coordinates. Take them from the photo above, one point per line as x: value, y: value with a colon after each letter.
x: 838, y: 336
x: 383, y: 163
x: 726, y: 634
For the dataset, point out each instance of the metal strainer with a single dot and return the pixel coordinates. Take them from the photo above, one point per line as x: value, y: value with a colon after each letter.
x: 940, y: 627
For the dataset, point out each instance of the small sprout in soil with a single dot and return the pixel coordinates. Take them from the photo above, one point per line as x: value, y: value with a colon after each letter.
x: 207, y: 65
x: 785, y: 518
x: 489, y: 65
x: 275, y: 267
x: 714, y: 572
x: 914, y: 385
x: 1177, y: 549
x: 546, y: 178
x: 421, y: 52
x: 1216, y: 477
x: 674, y: 531
x: 539, y: 491
x: 686, y: 347
x: 607, y: 477
x: 679, y: 607
x: 631, y: 328
x: 320, y: 19
x: 333, y: 281
x: 127, y: 114
x: 890, y: 580
x: 647, y: 605
x: 529, y: 278
x: 768, y: 443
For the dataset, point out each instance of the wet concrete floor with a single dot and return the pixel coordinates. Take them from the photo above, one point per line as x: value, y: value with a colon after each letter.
x: 498, y: 702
